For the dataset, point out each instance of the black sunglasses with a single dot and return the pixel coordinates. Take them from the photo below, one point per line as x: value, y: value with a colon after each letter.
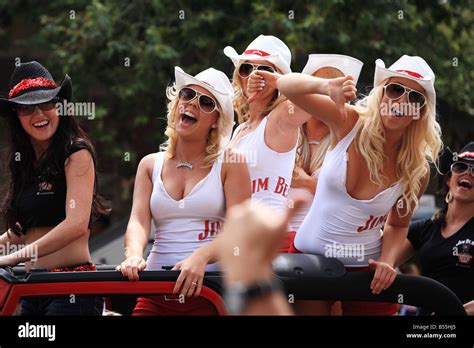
x: 26, y: 110
x: 245, y: 69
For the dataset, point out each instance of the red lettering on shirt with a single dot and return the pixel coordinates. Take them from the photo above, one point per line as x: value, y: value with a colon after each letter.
x: 372, y: 222
x: 259, y: 185
x: 281, y: 187
x: 211, y: 228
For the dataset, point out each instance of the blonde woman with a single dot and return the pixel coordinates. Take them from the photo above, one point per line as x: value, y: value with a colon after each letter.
x: 267, y: 133
x: 376, y: 169
x: 186, y: 190
x: 315, y: 136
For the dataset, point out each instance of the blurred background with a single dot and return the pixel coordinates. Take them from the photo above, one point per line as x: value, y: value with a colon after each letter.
x: 121, y: 54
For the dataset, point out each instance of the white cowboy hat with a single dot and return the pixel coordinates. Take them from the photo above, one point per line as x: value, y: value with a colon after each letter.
x: 218, y: 84
x: 264, y: 47
x: 347, y: 65
x: 410, y: 67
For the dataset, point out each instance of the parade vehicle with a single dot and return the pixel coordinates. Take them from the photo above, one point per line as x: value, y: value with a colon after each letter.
x: 304, y: 277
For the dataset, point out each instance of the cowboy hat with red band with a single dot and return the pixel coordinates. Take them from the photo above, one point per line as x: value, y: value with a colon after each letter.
x: 219, y: 86
x: 31, y: 83
x: 413, y: 68
x: 448, y: 157
x: 467, y: 152
x: 264, y: 47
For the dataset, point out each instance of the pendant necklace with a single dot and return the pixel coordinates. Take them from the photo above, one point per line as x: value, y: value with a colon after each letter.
x: 187, y: 164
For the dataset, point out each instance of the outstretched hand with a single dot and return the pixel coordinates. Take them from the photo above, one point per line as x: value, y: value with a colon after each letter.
x: 342, y: 90
x: 261, y: 80
x: 251, y: 239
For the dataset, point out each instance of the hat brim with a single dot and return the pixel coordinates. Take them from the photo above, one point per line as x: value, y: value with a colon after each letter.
x: 273, y: 58
x: 346, y: 64
x: 226, y: 108
x: 446, y: 159
x: 39, y: 96
x: 382, y: 73
x: 183, y: 79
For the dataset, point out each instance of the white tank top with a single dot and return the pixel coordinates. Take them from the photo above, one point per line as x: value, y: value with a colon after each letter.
x: 338, y: 225
x: 298, y: 217
x: 181, y: 227
x: 270, y: 171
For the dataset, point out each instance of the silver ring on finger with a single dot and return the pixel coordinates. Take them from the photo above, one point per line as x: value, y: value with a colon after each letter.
x: 194, y: 283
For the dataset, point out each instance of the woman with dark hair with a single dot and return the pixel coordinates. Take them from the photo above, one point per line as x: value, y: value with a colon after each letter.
x: 445, y: 244
x: 52, y: 187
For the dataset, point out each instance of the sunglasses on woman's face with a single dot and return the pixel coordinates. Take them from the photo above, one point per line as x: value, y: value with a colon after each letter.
x: 26, y: 110
x: 245, y: 69
x: 396, y: 91
x: 206, y: 103
x: 460, y: 168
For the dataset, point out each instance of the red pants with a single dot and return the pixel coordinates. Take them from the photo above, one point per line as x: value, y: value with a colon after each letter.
x: 287, y: 243
x: 360, y: 307
x: 170, y: 305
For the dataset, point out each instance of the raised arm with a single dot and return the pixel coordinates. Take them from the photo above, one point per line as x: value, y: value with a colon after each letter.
x: 256, y: 232
x: 324, y: 99
x: 138, y: 228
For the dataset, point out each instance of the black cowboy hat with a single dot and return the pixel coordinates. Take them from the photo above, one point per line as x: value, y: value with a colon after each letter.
x: 448, y: 157
x: 31, y: 83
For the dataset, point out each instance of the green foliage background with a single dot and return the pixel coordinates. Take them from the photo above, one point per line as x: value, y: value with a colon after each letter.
x: 91, y: 40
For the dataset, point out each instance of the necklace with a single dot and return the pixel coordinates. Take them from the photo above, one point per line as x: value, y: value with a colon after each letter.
x: 187, y: 164
x: 314, y: 142
x: 246, y: 125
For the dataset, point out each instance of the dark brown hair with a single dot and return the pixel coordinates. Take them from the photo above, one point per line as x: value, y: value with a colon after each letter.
x: 68, y: 136
x: 440, y: 217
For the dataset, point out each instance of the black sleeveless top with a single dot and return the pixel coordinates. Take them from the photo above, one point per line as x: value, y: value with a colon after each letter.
x: 42, y: 200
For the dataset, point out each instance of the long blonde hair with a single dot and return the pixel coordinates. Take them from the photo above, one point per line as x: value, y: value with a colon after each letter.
x: 240, y: 100
x: 420, y: 142
x: 214, y: 139
x: 310, y: 164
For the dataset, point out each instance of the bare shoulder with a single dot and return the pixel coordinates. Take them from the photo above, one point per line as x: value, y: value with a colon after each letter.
x: 148, y: 160
x: 234, y: 164
x: 146, y: 164
x: 232, y: 159
x: 287, y: 107
x: 79, y: 160
x: 343, y: 127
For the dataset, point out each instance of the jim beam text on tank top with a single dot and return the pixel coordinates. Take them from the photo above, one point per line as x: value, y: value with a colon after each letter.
x: 281, y: 187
